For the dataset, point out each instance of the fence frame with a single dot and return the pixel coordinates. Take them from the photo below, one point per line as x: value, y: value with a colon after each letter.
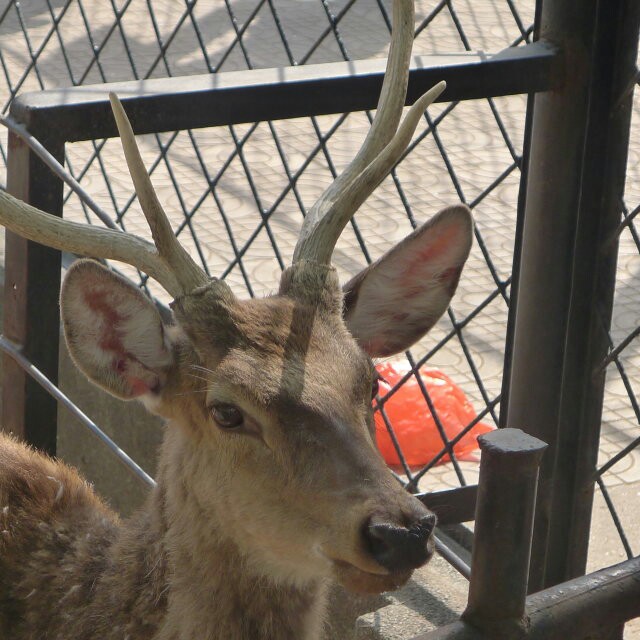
x: 32, y: 276
x: 83, y: 113
x: 593, y: 607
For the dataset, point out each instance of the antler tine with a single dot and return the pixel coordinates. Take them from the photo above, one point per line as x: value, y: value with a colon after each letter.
x: 167, y: 262
x: 381, y: 149
x: 186, y: 272
x: 86, y: 240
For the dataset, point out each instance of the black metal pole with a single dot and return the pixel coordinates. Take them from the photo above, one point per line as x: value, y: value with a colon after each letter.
x: 503, y: 530
x: 566, y: 272
x: 32, y: 283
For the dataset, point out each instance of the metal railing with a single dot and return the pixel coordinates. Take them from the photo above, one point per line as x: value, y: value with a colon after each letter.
x: 58, y: 117
x: 80, y: 36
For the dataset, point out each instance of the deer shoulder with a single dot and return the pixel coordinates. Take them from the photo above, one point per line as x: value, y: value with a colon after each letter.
x: 62, y: 550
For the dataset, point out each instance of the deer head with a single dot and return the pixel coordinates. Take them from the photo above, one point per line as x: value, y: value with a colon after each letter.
x: 269, y: 400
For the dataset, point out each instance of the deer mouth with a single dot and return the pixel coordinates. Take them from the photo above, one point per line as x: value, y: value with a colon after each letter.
x: 358, y: 580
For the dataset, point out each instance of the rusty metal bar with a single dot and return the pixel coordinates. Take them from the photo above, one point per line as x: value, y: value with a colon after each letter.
x: 566, y: 272
x: 32, y: 283
x: 587, y: 607
x: 503, y: 530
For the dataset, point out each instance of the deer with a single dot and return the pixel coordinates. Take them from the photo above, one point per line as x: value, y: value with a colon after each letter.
x: 269, y: 488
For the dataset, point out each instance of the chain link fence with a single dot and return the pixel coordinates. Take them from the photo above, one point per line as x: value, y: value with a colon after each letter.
x: 237, y: 194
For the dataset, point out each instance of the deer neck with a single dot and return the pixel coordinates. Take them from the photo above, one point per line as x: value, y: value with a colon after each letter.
x: 214, y: 590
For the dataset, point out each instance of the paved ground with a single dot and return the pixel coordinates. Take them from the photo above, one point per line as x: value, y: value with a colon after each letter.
x: 476, y: 152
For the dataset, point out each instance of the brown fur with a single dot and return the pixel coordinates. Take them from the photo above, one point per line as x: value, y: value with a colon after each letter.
x: 218, y: 553
x: 63, y: 552
x: 70, y: 569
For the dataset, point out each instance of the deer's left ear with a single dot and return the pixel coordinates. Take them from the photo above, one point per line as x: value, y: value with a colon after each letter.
x: 396, y: 300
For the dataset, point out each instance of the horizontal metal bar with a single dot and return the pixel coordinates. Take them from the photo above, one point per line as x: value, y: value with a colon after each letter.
x: 452, y: 505
x: 587, y: 606
x: 15, y: 352
x: 579, y: 609
x: 452, y: 558
x: 191, y: 102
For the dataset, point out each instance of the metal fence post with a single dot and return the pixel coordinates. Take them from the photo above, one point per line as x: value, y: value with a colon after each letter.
x: 502, y: 542
x: 566, y: 273
x: 503, y: 532
x: 32, y: 285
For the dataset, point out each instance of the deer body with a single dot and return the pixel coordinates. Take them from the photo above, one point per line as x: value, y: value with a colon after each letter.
x: 70, y: 569
x: 270, y: 485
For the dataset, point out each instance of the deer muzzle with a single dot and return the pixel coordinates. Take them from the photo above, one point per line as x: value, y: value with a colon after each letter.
x: 400, y: 548
x: 392, y: 545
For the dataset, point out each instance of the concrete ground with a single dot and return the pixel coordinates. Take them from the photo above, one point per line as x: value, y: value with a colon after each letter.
x: 475, y: 151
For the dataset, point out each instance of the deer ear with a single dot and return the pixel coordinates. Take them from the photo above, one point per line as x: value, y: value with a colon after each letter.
x: 113, y: 331
x: 397, y: 299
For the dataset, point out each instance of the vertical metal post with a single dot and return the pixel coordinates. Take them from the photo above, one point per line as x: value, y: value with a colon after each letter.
x: 32, y: 285
x: 566, y: 272
x: 616, y: 633
x: 503, y: 532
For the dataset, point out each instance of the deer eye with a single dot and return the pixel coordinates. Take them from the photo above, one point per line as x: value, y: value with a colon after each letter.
x: 226, y: 416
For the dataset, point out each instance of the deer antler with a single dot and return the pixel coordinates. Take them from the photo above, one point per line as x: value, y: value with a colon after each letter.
x: 65, y: 235
x: 186, y: 271
x: 167, y: 261
x: 380, y: 151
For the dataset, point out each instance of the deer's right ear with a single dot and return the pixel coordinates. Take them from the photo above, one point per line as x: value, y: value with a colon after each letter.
x: 114, y: 332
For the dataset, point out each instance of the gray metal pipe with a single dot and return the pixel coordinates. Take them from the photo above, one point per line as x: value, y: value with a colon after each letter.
x: 566, y: 273
x: 503, y: 532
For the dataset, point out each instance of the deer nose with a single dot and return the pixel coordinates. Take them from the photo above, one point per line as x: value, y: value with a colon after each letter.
x: 399, y: 548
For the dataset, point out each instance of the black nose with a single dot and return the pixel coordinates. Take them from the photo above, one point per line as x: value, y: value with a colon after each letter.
x: 398, y: 548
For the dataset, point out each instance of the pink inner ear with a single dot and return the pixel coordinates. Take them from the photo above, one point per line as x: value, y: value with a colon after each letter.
x: 450, y: 277
x: 138, y: 387
x: 98, y: 303
x: 435, y: 251
x: 111, y: 341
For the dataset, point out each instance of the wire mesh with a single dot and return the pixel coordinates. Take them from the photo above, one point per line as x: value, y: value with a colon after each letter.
x: 238, y: 194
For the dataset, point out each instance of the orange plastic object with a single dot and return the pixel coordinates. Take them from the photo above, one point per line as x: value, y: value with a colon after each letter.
x: 412, y: 422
